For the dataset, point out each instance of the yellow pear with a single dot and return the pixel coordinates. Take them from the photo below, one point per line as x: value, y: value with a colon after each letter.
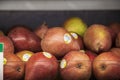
x: 75, y: 24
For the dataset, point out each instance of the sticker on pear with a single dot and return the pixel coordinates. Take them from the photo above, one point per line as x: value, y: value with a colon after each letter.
x: 46, y: 54
x: 67, y: 38
x: 63, y: 64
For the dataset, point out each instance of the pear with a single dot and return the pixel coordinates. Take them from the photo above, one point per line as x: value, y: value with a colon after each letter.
x: 97, y: 38
x: 41, y: 30
x: 13, y: 67
x: 24, y: 55
x: 58, y: 42
x: 8, y: 44
x: 24, y: 39
x: 106, y: 66
x: 117, y: 42
x: 115, y: 51
x: 78, y: 39
x: 75, y: 65
x: 41, y: 66
x: 75, y: 24
x: 1, y: 33
x: 115, y: 27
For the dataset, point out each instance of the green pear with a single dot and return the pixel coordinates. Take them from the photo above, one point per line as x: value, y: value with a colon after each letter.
x: 75, y: 24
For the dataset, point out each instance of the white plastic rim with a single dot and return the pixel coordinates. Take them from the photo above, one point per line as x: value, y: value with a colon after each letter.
x: 59, y: 5
x: 1, y: 60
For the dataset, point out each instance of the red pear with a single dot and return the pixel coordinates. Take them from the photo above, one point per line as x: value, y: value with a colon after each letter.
x: 75, y: 65
x: 8, y: 44
x: 115, y: 27
x: 117, y: 43
x: 113, y: 36
x: 78, y: 39
x: 13, y: 67
x: 58, y: 42
x: 97, y: 38
x: 24, y: 39
x: 41, y: 30
x: 106, y: 66
x: 115, y: 51
x: 41, y: 66
x: 91, y: 55
x: 114, y: 30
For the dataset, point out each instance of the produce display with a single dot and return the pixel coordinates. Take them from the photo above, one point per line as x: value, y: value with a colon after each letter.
x: 73, y: 51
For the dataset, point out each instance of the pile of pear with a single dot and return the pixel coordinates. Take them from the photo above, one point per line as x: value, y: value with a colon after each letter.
x: 73, y: 51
